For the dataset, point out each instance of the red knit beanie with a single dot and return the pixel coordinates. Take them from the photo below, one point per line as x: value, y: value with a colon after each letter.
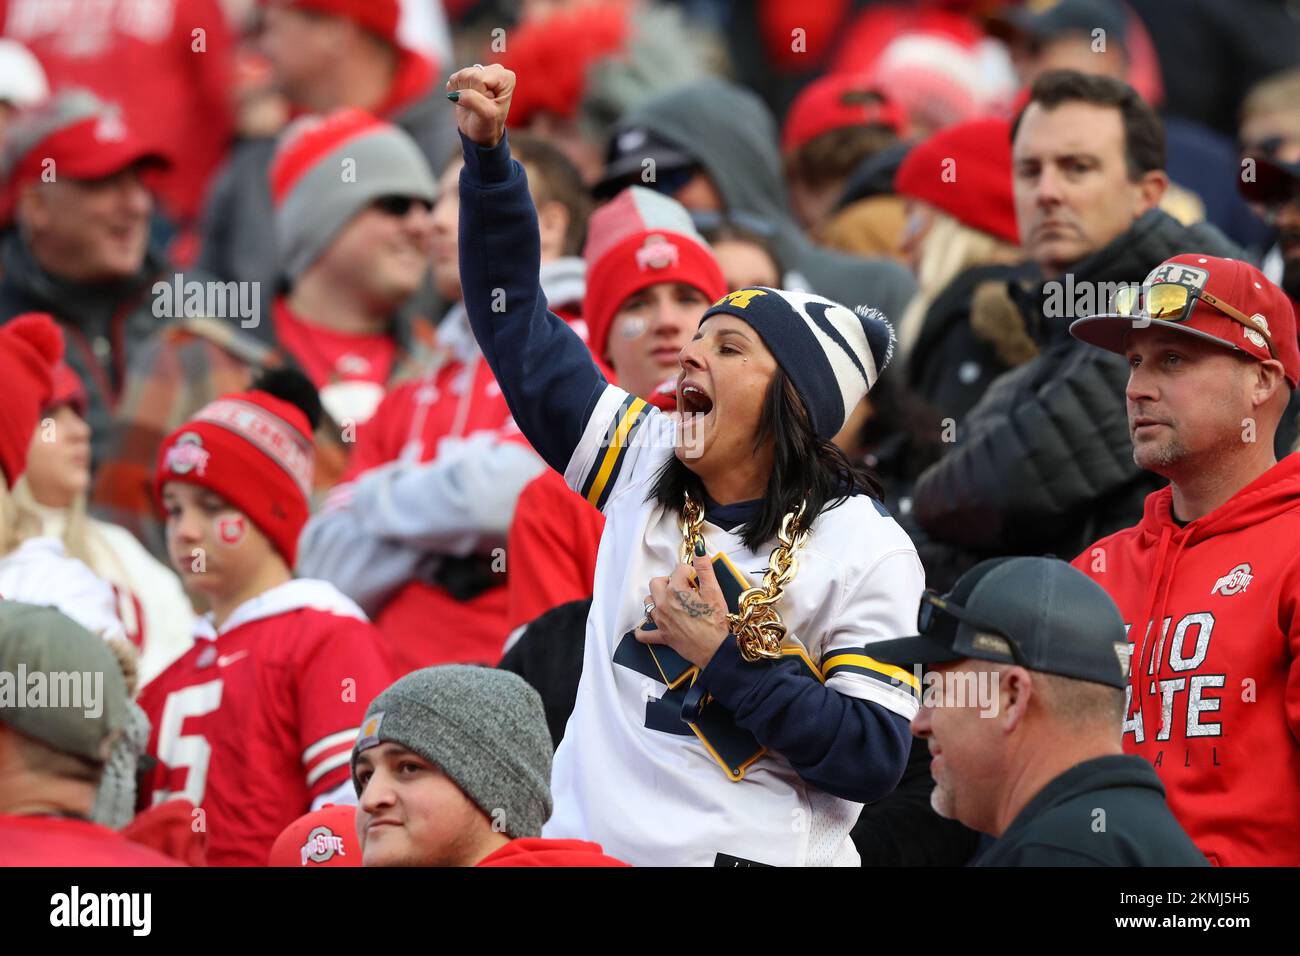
x: 380, y: 17
x: 965, y: 171
x: 638, y: 239
x: 254, y: 450
x: 29, y: 346
x: 552, y: 57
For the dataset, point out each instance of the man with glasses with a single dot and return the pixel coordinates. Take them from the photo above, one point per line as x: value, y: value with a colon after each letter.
x: 1021, y: 708
x: 1208, y: 582
x: 354, y: 230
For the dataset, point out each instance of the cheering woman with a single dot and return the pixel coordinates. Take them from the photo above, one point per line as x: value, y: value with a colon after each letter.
x: 729, y: 712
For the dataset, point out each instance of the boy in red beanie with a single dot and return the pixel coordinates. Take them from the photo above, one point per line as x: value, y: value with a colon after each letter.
x: 281, y: 669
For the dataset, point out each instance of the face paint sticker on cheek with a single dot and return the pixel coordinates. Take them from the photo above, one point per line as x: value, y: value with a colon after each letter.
x: 632, y: 327
x: 231, y: 529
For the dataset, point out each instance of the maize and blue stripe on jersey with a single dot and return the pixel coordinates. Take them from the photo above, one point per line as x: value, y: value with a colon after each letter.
x: 858, y: 660
x: 624, y: 424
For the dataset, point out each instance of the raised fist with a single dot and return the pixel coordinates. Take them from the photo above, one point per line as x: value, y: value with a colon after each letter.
x: 484, y: 101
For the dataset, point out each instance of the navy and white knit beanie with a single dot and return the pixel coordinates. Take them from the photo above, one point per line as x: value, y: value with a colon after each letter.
x: 833, y: 355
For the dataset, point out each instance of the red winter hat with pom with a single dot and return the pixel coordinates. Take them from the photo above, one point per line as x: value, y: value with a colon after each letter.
x: 29, y: 346
x: 254, y: 450
x: 965, y: 171
x: 553, y: 55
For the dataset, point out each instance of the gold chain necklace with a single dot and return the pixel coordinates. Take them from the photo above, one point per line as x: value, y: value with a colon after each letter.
x: 758, y: 627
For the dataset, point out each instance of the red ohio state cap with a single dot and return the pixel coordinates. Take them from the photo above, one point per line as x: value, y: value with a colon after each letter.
x: 81, y: 135
x: 835, y: 102
x: 1234, y: 283
x: 324, y: 837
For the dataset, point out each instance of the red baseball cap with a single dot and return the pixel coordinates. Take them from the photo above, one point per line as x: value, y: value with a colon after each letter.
x: 837, y: 101
x: 324, y: 837
x: 75, y: 135
x: 379, y: 17
x: 1267, y: 316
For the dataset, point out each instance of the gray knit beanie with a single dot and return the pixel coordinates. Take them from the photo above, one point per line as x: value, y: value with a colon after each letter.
x: 483, y: 728
x: 327, y: 169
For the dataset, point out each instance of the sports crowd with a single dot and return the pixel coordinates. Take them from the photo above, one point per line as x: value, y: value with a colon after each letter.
x: 633, y: 432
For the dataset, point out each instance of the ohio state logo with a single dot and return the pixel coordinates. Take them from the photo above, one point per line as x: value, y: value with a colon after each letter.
x: 230, y: 530
x: 1234, y: 582
x: 656, y: 253
x: 110, y: 128
x: 322, y: 843
x: 188, y: 454
x: 1261, y: 323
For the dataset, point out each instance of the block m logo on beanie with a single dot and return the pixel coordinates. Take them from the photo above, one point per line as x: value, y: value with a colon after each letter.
x: 741, y: 298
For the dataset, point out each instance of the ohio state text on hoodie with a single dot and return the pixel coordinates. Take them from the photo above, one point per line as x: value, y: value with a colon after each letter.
x: 1214, y: 694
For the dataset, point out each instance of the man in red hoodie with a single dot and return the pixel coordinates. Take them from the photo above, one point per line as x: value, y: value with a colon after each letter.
x: 1208, y: 583
x: 452, y: 767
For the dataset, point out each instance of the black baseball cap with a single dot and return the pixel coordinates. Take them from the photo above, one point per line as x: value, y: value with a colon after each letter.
x: 1274, y: 181
x: 628, y: 151
x: 1040, y: 613
x: 1044, y: 22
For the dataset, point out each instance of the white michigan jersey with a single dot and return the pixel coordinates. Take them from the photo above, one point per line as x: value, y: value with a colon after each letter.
x: 657, y: 796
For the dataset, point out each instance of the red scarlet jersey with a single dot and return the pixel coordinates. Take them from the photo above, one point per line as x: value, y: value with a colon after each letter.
x: 1213, y: 617
x: 66, y: 841
x: 553, y: 542
x: 145, y: 56
x: 418, y: 421
x: 257, y: 722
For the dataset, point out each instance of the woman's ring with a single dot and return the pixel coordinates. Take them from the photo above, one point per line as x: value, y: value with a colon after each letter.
x: 649, y: 610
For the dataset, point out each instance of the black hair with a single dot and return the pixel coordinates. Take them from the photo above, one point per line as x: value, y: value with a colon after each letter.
x: 805, y: 468
x: 292, y: 386
x: 1144, y: 133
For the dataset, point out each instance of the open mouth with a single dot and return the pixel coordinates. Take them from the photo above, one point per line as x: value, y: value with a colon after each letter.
x: 694, y: 400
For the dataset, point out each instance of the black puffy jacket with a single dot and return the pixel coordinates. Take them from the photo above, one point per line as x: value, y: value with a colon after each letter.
x: 1043, y: 463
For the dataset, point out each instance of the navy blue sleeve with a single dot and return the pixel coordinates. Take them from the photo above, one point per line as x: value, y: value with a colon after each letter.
x: 544, y: 369
x: 851, y: 748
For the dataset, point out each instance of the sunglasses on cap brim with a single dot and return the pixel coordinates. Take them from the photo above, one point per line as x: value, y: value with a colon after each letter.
x: 987, y: 637
x: 1175, y: 302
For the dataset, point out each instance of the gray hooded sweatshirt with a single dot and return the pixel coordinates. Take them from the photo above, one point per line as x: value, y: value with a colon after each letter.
x: 734, y: 137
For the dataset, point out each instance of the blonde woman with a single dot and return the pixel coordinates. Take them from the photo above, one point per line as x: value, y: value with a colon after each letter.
x: 149, y: 601
x: 34, y: 568
x: 961, y: 330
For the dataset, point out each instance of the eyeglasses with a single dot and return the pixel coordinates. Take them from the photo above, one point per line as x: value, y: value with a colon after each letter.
x: 1174, y: 302
x: 987, y: 637
x: 399, y: 206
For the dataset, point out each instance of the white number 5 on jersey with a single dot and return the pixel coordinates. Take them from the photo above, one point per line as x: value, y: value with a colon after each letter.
x: 191, y: 751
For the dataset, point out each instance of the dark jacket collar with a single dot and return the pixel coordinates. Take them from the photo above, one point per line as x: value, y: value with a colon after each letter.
x: 1153, y: 238
x: 1100, y: 773
x: 87, y: 305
